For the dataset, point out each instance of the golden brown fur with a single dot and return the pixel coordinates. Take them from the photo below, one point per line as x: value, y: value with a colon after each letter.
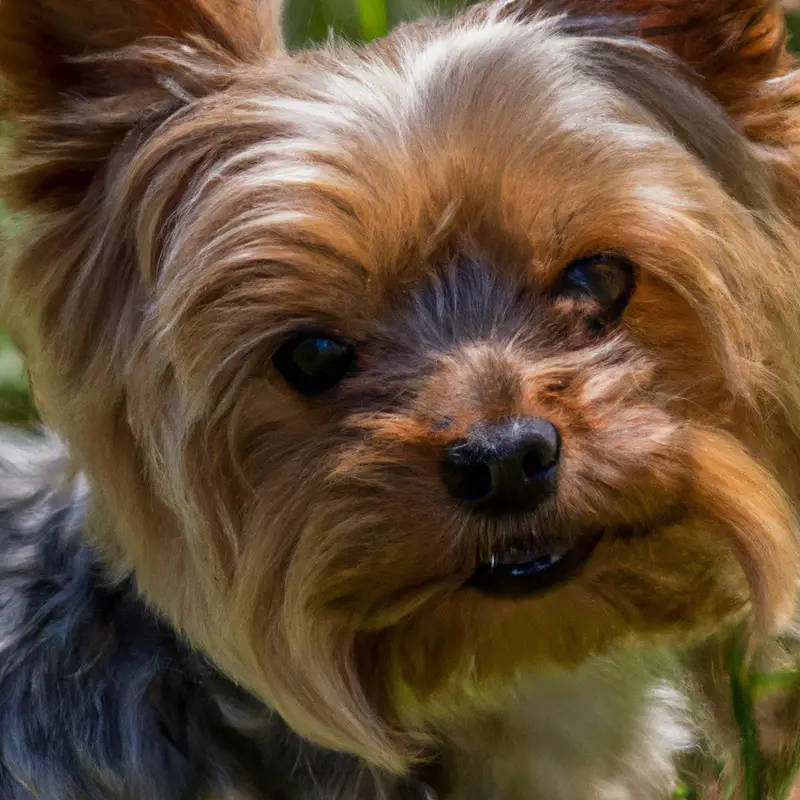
x: 190, y: 194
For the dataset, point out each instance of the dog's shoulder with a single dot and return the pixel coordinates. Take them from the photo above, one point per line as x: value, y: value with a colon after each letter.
x: 77, y: 657
x: 35, y: 481
x: 42, y: 509
x: 99, y: 698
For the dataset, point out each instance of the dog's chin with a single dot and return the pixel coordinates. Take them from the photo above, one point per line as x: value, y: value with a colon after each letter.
x: 521, y: 568
x: 523, y: 610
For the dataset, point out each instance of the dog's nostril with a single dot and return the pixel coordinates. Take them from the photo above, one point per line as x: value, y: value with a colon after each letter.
x: 470, y: 482
x: 504, y: 466
x: 533, y: 464
x: 541, y: 456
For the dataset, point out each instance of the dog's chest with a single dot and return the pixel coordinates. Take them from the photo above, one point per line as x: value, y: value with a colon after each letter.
x: 609, y: 731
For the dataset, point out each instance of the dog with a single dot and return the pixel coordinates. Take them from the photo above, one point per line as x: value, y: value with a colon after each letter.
x: 423, y: 416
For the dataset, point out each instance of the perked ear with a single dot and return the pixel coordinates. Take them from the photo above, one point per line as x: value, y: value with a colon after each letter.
x: 76, y: 75
x: 737, y: 47
x: 39, y: 39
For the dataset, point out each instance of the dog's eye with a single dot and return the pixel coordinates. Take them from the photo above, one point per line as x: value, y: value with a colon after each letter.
x: 314, y: 364
x: 600, y: 286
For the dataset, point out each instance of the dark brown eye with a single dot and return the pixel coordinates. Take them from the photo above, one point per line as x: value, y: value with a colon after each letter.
x: 600, y: 286
x: 313, y: 364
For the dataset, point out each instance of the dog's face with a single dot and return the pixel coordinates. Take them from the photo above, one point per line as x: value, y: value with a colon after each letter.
x: 405, y: 369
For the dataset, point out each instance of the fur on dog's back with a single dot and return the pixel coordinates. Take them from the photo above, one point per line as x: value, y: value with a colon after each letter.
x: 98, y: 698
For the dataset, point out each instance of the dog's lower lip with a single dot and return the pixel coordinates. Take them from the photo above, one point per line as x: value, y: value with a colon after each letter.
x: 517, y: 575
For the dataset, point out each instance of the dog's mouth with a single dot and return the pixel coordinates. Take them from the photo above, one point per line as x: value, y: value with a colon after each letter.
x: 520, y: 569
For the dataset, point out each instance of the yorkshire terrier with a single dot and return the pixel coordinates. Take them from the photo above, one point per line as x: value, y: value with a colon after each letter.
x: 426, y: 406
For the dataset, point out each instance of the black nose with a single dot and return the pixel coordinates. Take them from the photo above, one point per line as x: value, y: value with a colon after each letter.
x: 504, y: 466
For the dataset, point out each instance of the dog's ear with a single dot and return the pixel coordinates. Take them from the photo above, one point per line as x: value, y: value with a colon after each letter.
x: 77, y: 75
x: 735, y: 49
x: 40, y: 40
x: 738, y: 48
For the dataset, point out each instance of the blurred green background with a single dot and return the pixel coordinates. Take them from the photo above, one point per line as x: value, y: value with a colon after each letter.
x: 306, y: 22
x: 311, y: 20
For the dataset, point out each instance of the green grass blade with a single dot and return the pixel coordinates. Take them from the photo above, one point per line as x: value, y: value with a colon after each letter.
x: 743, y: 705
x: 373, y: 17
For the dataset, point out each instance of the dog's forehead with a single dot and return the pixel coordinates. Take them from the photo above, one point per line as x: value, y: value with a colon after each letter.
x: 519, y: 128
x: 520, y: 145
x: 500, y: 90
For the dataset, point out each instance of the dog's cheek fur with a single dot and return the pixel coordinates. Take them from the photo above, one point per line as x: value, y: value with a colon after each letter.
x: 682, y: 577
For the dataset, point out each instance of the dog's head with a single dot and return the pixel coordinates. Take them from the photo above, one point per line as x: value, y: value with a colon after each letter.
x: 400, y: 369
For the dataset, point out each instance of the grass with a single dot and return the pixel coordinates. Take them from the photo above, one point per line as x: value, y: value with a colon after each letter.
x: 16, y: 405
x: 312, y: 20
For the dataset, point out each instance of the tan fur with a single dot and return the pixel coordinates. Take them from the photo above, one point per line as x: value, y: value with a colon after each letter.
x: 189, y: 194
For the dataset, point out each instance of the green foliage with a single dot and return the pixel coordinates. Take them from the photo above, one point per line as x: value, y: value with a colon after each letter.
x: 308, y: 21
x: 15, y: 401
x: 793, y: 24
x: 744, y: 712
